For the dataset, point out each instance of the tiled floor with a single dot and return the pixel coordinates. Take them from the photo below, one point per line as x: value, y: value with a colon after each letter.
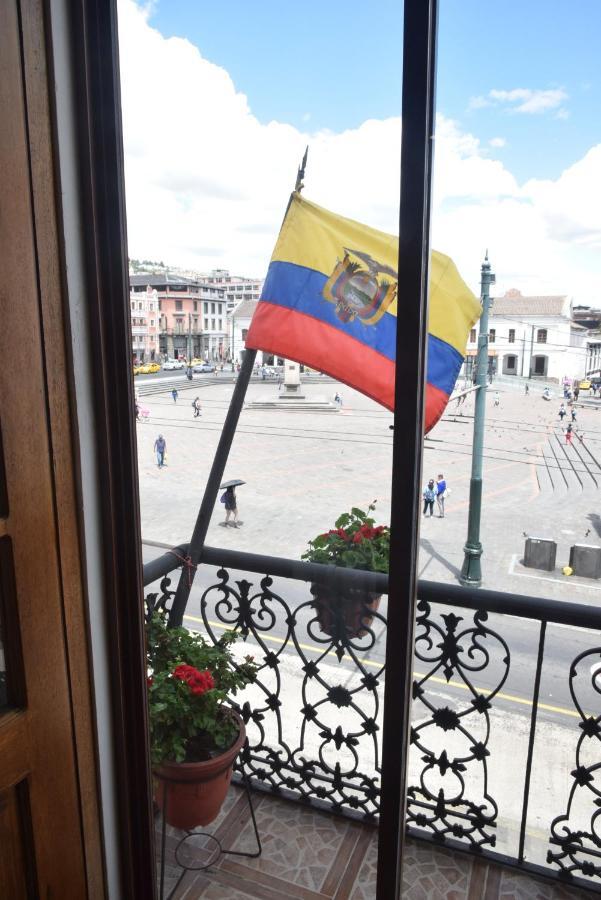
x: 314, y: 856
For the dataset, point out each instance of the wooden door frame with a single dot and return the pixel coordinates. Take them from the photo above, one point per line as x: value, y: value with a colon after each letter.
x: 93, y: 47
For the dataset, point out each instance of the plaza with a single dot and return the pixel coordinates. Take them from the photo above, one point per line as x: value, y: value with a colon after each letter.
x: 303, y: 469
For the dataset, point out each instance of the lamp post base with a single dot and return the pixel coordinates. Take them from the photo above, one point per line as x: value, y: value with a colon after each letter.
x: 471, y: 573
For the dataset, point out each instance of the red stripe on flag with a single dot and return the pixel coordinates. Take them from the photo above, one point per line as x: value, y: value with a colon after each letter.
x: 294, y: 335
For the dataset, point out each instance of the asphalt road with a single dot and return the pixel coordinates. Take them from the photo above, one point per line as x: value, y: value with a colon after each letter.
x: 563, y: 644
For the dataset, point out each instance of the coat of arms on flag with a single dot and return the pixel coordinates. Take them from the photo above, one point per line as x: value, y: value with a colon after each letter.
x: 360, y: 290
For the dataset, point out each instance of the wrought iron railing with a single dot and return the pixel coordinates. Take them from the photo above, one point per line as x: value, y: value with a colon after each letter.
x: 314, y: 715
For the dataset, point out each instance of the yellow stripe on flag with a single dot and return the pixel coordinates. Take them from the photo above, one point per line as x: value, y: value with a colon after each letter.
x: 316, y: 238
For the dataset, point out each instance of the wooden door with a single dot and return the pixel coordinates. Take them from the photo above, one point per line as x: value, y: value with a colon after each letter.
x: 49, y: 819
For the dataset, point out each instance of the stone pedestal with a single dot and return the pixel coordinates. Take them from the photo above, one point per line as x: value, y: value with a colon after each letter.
x: 292, y: 385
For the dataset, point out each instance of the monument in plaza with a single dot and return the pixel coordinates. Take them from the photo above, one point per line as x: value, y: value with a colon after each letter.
x: 290, y: 394
x: 292, y: 382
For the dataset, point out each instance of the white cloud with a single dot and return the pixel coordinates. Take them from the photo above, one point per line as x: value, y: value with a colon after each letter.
x: 207, y: 183
x: 523, y: 100
x: 497, y: 142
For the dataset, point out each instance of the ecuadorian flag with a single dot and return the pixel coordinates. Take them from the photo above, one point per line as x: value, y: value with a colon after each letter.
x: 330, y: 302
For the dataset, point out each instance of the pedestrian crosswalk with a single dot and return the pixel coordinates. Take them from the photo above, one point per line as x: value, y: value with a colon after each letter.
x: 567, y: 468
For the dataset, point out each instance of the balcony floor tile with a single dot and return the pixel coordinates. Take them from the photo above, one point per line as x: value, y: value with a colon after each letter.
x: 308, y: 855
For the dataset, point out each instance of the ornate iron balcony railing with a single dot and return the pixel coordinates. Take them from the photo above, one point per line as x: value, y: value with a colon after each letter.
x: 314, y: 715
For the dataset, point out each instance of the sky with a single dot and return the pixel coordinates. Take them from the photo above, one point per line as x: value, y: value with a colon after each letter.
x: 219, y: 101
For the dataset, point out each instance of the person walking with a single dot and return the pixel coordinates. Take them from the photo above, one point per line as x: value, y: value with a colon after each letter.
x: 526, y: 389
x: 197, y: 407
x: 174, y: 394
x: 576, y: 392
x: 573, y: 415
x: 338, y: 399
x: 429, y: 497
x: 569, y: 433
x: 562, y: 412
x: 496, y: 398
x: 231, y: 506
x: 160, y: 448
x: 441, y: 491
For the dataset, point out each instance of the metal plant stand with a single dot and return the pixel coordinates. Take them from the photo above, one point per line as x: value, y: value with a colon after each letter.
x: 218, y: 850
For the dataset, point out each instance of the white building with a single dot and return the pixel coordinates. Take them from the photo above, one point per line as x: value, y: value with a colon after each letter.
x: 236, y: 287
x: 144, y: 324
x: 533, y: 336
x: 239, y: 323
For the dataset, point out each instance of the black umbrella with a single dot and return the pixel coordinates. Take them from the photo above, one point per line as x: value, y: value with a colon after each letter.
x: 233, y: 483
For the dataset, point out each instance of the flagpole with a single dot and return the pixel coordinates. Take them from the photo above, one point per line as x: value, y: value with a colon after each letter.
x: 215, y: 478
x: 203, y: 519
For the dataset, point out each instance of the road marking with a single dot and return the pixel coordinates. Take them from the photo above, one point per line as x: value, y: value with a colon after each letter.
x: 573, y: 584
x: 511, y: 698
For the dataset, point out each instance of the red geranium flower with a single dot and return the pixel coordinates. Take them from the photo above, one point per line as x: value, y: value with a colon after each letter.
x: 198, y: 682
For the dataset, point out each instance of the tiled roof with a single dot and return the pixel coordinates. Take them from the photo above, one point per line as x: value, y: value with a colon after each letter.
x: 515, y: 304
x: 245, y: 309
x: 153, y: 278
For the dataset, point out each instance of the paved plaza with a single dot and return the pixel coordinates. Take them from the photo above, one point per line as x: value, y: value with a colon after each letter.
x: 302, y: 469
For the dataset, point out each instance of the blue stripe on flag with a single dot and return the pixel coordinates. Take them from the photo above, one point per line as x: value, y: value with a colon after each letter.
x: 300, y: 288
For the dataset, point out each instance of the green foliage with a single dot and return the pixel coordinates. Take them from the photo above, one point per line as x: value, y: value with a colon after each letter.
x: 355, y: 542
x: 189, y: 716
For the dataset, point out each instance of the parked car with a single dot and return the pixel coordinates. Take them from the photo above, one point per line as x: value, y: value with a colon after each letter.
x: 585, y: 385
x: 204, y: 367
x: 172, y: 364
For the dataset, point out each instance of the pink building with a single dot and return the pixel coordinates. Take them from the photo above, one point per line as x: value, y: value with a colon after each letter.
x: 191, y: 316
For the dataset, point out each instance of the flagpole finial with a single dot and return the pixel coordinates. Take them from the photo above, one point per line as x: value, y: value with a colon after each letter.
x: 301, y: 172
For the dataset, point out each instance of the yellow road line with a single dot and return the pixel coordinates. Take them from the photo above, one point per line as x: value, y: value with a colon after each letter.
x: 511, y: 698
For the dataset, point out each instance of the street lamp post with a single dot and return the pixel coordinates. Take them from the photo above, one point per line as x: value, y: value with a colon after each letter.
x: 471, y: 572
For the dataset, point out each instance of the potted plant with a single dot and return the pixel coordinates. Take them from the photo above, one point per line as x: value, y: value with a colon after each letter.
x: 195, y: 735
x: 355, y: 542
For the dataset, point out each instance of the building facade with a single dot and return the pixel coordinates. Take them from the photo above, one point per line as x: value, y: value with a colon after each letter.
x: 236, y: 287
x: 532, y: 337
x: 144, y: 308
x: 192, y: 316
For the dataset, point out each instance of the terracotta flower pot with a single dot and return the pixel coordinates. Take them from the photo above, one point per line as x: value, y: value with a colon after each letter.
x: 191, y: 794
x: 346, y: 609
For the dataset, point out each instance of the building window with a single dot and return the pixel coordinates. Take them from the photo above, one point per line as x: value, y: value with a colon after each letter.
x: 179, y: 305
x: 244, y: 333
x: 152, y: 322
x: 212, y: 324
x: 492, y: 335
x: 238, y: 296
x: 195, y: 305
x: 206, y: 308
x: 512, y: 335
x: 206, y: 324
x: 220, y: 324
x: 139, y: 306
x: 473, y: 336
x: 160, y: 307
x: 213, y: 308
x: 541, y: 337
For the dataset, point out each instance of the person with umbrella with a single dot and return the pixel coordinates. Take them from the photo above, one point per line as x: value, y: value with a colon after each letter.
x: 228, y: 498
